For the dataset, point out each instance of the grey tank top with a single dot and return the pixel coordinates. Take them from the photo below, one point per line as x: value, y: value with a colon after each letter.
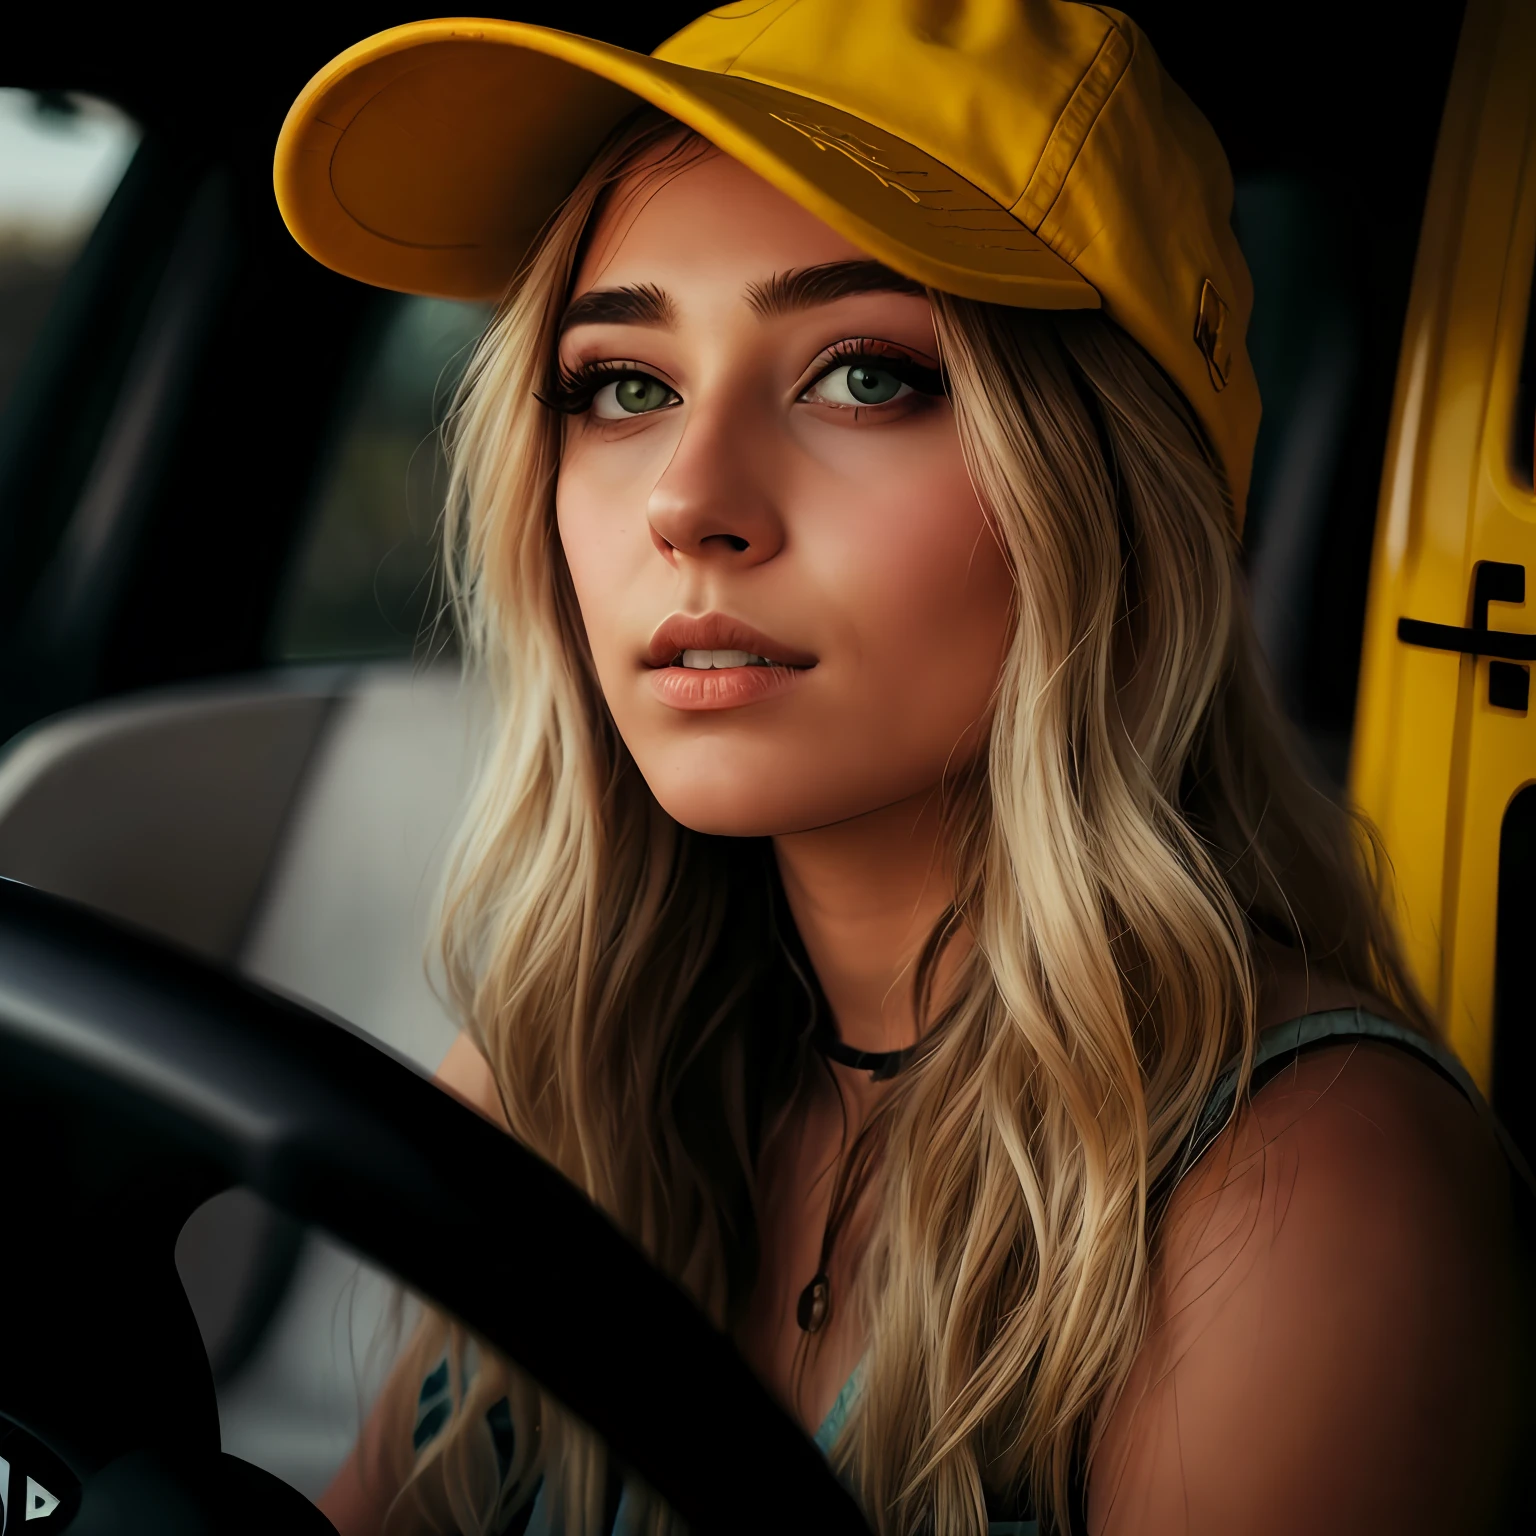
x: 1283, y: 1043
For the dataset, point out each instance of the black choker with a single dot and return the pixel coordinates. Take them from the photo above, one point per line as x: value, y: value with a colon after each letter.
x: 879, y: 1064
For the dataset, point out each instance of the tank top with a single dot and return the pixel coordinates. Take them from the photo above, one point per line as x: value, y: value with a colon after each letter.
x: 1275, y: 1049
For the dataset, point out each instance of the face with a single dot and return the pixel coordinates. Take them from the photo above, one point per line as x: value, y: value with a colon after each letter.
x: 794, y: 601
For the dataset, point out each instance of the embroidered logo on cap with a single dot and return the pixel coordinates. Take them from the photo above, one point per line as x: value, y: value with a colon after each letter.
x: 863, y: 154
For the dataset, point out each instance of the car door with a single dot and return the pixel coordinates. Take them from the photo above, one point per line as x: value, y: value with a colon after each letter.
x: 1444, y: 759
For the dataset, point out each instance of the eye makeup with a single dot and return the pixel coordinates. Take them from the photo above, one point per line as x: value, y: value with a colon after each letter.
x: 573, y: 388
x: 869, y: 352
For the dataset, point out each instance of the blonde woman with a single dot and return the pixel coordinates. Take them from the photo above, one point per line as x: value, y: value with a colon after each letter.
x: 891, y: 893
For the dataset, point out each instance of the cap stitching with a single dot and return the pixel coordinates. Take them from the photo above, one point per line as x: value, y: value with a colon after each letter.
x: 1081, y: 112
x: 1056, y: 238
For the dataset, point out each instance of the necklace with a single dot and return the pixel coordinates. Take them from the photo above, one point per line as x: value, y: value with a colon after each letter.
x: 816, y: 1299
x: 879, y: 1064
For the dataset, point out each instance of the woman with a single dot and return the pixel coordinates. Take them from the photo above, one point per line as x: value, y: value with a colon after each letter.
x: 891, y: 893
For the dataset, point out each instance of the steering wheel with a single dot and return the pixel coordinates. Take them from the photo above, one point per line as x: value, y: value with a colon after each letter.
x: 136, y: 1081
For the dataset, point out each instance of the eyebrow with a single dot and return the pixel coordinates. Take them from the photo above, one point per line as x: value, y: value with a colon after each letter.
x: 784, y: 292
x: 645, y: 304
x: 806, y: 287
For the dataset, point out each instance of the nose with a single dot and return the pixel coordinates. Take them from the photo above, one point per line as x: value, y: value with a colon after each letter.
x: 714, y: 501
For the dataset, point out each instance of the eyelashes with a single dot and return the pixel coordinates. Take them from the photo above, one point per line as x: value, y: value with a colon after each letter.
x: 887, y: 359
x: 572, y: 390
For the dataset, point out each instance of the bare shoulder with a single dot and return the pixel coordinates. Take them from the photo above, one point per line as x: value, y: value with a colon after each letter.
x: 1334, y: 1274
x: 466, y: 1074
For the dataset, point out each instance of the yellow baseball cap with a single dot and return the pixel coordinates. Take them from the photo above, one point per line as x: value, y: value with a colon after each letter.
x: 1024, y: 152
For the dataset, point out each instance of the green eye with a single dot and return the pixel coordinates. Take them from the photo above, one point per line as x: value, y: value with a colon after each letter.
x: 861, y: 383
x: 872, y: 386
x: 631, y: 396
x: 640, y: 394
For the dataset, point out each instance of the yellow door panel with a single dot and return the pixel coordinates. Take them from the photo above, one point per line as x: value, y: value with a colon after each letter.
x: 1445, y: 735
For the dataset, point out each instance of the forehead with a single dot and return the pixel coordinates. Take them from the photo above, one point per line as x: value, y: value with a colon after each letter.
x: 712, y: 220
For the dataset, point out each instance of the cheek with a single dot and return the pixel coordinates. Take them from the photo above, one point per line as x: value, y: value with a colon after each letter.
x: 916, y: 570
x: 604, y: 534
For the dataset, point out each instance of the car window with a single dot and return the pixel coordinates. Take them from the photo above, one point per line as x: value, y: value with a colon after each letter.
x: 1307, y: 340
x: 363, y: 584
x: 61, y: 158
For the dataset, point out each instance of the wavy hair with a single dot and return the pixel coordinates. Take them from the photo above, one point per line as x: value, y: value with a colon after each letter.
x: 1139, y: 818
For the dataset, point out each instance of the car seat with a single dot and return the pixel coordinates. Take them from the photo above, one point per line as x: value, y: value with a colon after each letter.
x: 292, y: 826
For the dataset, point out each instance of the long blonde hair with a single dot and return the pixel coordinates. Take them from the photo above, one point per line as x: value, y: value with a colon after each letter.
x: 1139, y: 819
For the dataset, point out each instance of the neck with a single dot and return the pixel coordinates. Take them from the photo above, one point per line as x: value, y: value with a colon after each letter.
x: 865, y: 894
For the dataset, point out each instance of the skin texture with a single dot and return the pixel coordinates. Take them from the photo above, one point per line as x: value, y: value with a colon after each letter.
x: 1326, y: 1351
x: 1333, y: 1312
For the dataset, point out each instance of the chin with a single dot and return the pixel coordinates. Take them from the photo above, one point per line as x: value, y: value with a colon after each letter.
x: 725, y: 811
x: 732, y: 799
x: 727, y: 786
x: 768, y: 804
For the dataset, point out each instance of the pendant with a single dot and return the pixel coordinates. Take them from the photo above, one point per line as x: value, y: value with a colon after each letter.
x: 815, y: 1301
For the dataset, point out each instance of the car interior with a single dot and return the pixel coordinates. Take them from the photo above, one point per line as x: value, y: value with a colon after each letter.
x: 232, y: 712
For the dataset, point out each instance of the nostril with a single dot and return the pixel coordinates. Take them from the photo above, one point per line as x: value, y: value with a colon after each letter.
x: 703, y: 544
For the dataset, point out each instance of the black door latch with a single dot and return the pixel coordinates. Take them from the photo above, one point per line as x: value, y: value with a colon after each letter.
x: 1509, y: 686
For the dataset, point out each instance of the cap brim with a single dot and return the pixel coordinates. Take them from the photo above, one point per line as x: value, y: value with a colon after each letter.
x: 427, y: 158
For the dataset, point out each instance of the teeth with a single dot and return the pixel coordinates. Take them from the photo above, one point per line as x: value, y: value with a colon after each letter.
x: 702, y: 661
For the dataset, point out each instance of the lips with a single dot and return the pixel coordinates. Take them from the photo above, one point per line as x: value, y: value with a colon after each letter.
x: 719, y: 632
